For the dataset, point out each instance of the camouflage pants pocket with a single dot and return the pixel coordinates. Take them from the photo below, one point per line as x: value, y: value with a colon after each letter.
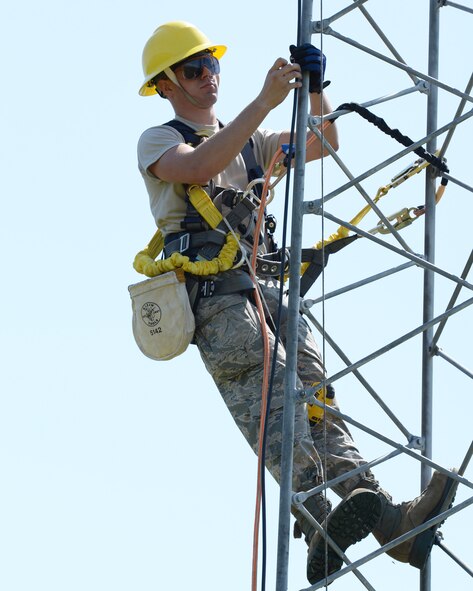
x: 231, y: 347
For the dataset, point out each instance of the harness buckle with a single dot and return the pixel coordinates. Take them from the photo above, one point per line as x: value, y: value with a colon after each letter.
x: 270, y: 223
x: 184, y: 242
x: 207, y: 288
x: 267, y: 267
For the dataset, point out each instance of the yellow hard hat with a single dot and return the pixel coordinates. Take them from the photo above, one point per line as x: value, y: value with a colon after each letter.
x: 168, y: 45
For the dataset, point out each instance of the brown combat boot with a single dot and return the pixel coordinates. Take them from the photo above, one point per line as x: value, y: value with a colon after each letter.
x: 397, y: 520
x: 351, y: 521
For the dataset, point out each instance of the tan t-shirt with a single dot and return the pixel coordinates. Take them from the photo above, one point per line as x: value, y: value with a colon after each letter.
x: 167, y: 200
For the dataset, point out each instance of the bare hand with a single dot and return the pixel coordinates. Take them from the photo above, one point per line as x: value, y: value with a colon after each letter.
x: 280, y: 80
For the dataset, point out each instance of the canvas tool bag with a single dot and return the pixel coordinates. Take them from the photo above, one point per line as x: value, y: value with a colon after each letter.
x: 163, y: 321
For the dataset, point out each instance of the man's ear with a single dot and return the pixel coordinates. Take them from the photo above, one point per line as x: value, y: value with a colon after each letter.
x: 164, y: 88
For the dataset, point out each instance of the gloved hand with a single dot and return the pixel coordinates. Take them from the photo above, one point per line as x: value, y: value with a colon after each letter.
x: 311, y: 60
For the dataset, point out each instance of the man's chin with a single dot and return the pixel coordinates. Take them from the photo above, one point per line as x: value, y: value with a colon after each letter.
x: 209, y: 100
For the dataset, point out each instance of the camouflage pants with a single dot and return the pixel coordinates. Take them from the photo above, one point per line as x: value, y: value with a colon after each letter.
x: 228, y: 335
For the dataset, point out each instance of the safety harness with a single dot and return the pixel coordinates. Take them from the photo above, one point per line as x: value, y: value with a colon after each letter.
x: 193, y: 223
x: 209, y: 241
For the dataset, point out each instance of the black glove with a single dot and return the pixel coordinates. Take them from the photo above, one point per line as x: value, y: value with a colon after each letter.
x: 311, y: 60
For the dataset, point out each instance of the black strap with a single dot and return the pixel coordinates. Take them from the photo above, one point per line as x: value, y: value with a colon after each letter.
x: 395, y: 134
x: 184, y: 241
x: 198, y: 288
x: 188, y: 133
x: 253, y: 169
x: 317, y: 260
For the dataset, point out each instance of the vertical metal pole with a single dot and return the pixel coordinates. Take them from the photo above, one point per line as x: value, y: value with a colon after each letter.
x: 429, y: 253
x: 285, y: 495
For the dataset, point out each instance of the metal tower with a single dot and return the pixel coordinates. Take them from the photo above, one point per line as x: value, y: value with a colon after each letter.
x: 431, y: 318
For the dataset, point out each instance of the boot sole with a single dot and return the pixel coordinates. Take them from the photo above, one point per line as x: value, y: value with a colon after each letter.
x: 352, y: 520
x: 425, y: 540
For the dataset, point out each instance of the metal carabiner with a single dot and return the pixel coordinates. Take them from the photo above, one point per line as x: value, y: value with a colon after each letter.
x: 250, y: 193
x: 401, y: 219
x: 409, y: 171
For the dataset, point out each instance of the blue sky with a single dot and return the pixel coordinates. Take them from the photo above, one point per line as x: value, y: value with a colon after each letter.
x: 120, y: 473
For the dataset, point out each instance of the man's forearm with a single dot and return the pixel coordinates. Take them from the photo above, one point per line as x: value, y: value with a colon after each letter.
x: 320, y: 105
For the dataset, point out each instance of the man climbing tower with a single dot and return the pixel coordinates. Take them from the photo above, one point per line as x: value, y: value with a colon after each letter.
x: 182, y: 65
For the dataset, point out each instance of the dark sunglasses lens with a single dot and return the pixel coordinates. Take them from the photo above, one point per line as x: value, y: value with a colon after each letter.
x: 212, y: 64
x: 191, y: 70
x: 194, y: 68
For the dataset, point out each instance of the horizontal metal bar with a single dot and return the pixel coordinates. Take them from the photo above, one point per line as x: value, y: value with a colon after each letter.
x: 455, y: 5
x: 315, y: 120
x: 457, y: 182
x: 397, y: 156
x: 318, y: 26
x: 420, y: 262
x: 375, y: 208
x: 420, y: 329
x: 443, y: 355
x: 397, y: 64
x: 405, y: 449
x: 359, y: 377
x: 301, y: 497
x: 308, y: 303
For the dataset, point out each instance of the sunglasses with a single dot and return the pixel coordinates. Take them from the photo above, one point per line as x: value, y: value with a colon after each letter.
x: 194, y: 68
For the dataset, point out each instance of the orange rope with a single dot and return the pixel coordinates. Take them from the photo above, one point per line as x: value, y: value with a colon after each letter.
x: 264, y: 401
x: 266, y: 365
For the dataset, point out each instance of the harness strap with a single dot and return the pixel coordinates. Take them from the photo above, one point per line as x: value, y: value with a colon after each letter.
x: 317, y: 259
x: 253, y: 169
x: 229, y: 284
x: 189, y: 134
x: 206, y: 245
x: 191, y: 137
x: 185, y: 241
x: 238, y: 213
x: 207, y: 288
